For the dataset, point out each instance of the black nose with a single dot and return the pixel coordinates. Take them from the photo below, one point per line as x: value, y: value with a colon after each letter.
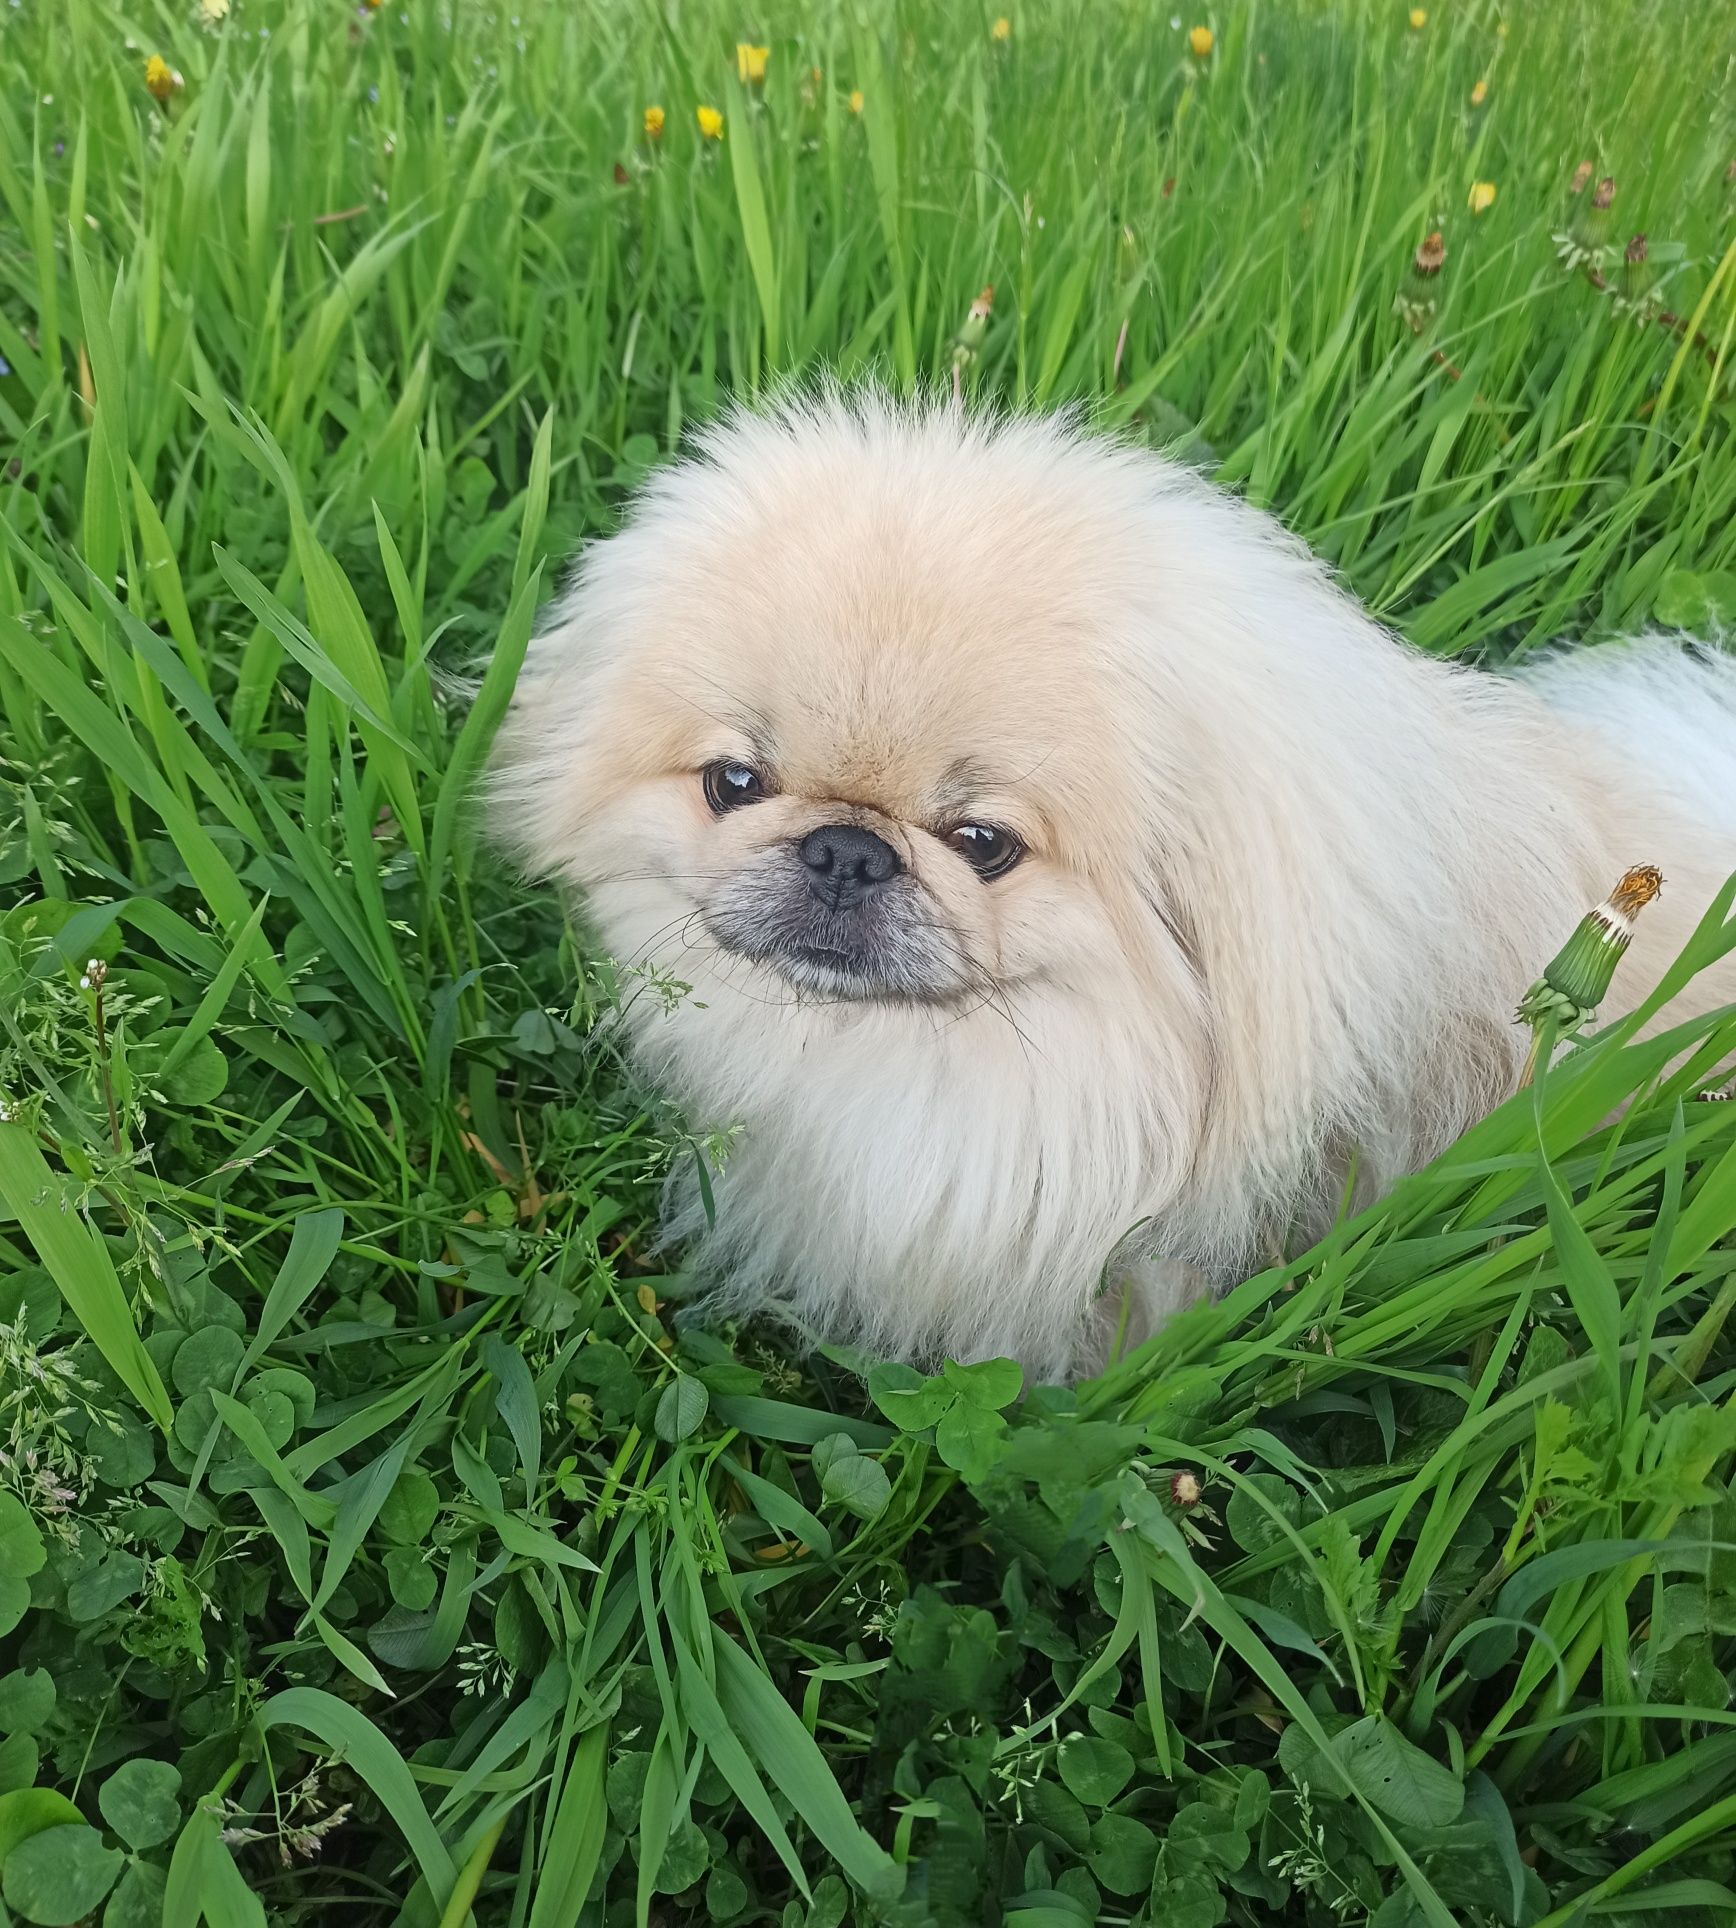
x: 846, y: 864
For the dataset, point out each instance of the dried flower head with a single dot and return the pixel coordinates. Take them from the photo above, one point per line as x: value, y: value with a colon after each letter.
x: 1604, y: 192
x: 654, y: 118
x: 1581, y: 174
x: 1185, y: 1488
x: 710, y: 123
x: 1482, y: 196
x: 750, y: 63
x: 1577, y: 978
x: 1431, y: 252
x: 1635, y: 251
x: 1638, y: 887
x: 1199, y: 40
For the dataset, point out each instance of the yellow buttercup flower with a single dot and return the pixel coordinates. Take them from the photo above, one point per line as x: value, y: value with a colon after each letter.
x: 1002, y: 29
x: 1482, y: 196
x: 1418, y: 19
x: 161, y: 80
x: 1200, y: 40
x: 710, y: 122
x: 750, y: 62
x: 855, y: 100
x: 1479, y: 93
x: 654, y: 123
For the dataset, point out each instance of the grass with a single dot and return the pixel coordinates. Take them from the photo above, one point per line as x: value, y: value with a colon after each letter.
x: 375, y: 1547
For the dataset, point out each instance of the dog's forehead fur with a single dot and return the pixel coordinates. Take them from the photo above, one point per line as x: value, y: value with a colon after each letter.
x: 845, y: 610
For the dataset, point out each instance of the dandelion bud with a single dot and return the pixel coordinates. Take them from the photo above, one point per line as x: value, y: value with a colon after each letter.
x: 1185, y: 1489
x: 969, y: 339
x: 1574, y: 984
x: 1636, y: 251
x: 1581, y: 174
x: 1604, y: 192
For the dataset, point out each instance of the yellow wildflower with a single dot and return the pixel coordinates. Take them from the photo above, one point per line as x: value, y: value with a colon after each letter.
x: 1482, y: 196
x: 1200, y: 40
x: 213, y: 12
x: 1479, y: 93
x: 1418, y: 19
x: 654, y: 123
x: 855, y: 100
x: 1002, y: 29
x: 750, y: 62
x: 710, y: 123
x: 161, y: 80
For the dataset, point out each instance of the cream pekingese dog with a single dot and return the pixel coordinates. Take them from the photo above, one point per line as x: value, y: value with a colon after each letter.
x: 1067, y: 874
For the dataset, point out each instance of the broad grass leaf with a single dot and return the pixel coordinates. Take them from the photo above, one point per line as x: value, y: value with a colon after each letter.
x: 576, y: 1839
x: 80, y: 1266
x: 776, y: 1738
x: 516, y: 1401
x: 347, y: 1732
x: 313, y: 1245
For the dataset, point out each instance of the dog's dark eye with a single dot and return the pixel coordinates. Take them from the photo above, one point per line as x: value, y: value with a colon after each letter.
x: 729, y: 785
x: 988, y: 851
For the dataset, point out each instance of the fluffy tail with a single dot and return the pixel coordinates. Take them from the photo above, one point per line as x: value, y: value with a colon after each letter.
x: 1670, y: 705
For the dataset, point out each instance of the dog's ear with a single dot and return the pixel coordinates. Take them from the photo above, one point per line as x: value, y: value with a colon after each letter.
x: 534, y: 790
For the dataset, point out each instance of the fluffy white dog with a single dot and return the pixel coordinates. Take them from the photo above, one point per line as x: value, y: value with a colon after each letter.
x: 1067, y: 874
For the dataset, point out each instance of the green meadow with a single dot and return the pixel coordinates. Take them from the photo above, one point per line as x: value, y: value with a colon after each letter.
x: 378, y: 1543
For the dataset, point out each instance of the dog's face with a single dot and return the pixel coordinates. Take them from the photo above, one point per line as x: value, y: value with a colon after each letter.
x: 845, y: 734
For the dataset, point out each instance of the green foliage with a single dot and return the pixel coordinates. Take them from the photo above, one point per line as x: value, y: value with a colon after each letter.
x: 380, y: 1538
